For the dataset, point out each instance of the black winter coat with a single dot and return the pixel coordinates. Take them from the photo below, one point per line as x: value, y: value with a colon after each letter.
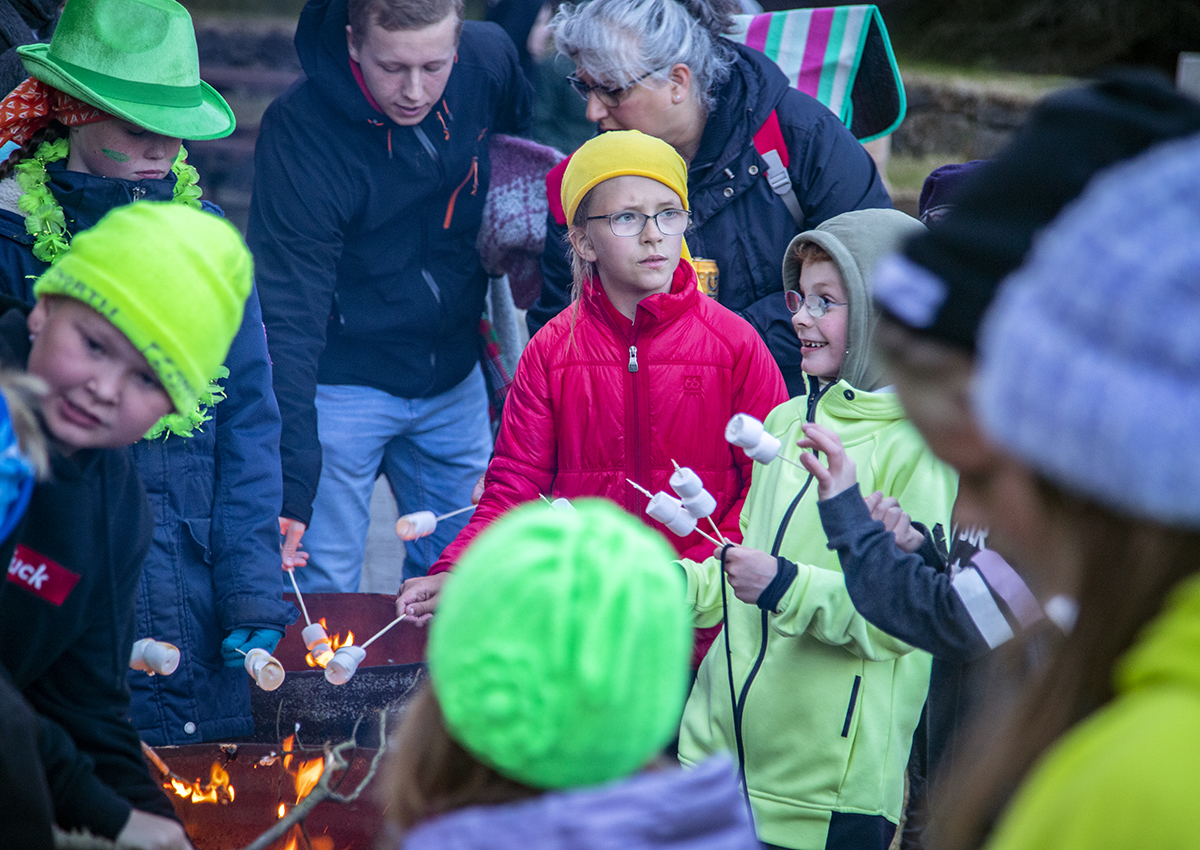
x: 67, y: 625
x: 738, y: 220
x: 363, y: 231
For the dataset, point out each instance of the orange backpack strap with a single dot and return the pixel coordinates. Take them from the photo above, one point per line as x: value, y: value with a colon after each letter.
x: 554, y: 179
x: 768, y: 141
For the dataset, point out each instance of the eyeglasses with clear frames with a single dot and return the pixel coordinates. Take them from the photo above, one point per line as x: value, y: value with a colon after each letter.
x: 610, y: 97
x: 632, y: 223
x: 815, y: 304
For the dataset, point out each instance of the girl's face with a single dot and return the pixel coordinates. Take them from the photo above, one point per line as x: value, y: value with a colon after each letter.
x: 116, y: 148
x: 630, y: 267
x: 823, y: 340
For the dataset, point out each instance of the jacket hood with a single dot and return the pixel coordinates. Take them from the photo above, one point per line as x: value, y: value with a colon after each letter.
x: 856, y: 241
x: 1168, y: 651
x: 676, y: 809
x: 321, y: 45
x: 743, y: 103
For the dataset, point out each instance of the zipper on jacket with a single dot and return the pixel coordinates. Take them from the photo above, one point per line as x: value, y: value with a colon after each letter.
x: 850, y: 709
x: 425, y: 143
x: 633, y: 367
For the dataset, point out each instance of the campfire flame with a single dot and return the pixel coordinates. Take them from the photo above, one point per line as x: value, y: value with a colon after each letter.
x: 307, y: 776
x: 335, y: 641
x: 218, y: 789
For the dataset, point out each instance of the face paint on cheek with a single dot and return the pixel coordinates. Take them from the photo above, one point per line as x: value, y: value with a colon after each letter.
x: 115, y: 156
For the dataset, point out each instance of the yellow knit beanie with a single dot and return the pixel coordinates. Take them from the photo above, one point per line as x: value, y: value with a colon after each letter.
x: 618, y: 153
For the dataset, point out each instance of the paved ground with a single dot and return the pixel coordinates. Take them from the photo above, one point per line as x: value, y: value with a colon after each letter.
x: 384, y: 557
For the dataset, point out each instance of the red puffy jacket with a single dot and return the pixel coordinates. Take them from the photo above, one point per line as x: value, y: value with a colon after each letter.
x: 610, y: 400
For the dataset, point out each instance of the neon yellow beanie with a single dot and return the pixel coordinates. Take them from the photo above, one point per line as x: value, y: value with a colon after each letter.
x: 559, y: 651
x: 618, y: 153
x: 174, y: 280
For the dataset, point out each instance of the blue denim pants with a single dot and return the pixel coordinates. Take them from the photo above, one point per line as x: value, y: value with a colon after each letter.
x: 432, y: 451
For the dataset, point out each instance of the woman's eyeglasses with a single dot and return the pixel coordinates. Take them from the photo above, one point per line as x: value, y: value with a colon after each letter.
x: 631, y: 223
x: 610, y: 97
x: 815, y: 304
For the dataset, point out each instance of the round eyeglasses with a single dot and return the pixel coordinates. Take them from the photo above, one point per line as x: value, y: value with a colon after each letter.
x: 610, y: 97
x: 815, y: 304
x: 631, y: 223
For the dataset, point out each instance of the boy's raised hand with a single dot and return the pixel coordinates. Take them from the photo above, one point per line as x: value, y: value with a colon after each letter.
x: 840, y: 475
x: 888, y: 511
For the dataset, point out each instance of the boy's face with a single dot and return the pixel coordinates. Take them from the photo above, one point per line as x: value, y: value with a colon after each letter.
x: 823, y: 340
x: 406, y: 71
x: 630, y: 266
x: 102, y: 394
x: 119, y: 149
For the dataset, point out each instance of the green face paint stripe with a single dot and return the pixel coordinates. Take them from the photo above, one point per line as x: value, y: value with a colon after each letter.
x: 115, y: 155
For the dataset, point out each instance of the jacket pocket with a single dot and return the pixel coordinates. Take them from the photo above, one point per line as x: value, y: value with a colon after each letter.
x: 850, y: 708
x: 200, y: 532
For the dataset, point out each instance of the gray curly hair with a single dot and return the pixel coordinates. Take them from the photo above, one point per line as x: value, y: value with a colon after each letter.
x: 617, y: 41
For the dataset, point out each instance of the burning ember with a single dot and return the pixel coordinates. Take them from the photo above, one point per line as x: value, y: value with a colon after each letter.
x: 335, y: 641
x: 218, y: 790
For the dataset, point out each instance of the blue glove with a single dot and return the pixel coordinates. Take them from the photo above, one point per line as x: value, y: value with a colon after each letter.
x: 247, y: 639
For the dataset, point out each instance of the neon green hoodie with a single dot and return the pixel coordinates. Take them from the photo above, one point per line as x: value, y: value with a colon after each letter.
x: 1129, y: 775
x: 829, y: 718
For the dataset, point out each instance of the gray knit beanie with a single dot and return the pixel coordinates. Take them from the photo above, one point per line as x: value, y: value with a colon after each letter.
x: 856, y: 241
x: 1089, y: 364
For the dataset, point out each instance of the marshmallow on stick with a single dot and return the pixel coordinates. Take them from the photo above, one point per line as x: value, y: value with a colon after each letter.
x: 423, y: 523
x: 264, y: 668
x: 154, y: 657
x: 317, y: 642
x: 759, y: 444
x: 344, y: 664
x: 687, y: 485
x: 670, y: 512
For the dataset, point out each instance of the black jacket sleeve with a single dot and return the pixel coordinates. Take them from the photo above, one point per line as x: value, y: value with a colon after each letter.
x: 897, y: 592
x: 556, y: 277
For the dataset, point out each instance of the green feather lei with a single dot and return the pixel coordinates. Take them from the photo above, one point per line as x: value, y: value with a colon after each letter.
x: 46, y: 223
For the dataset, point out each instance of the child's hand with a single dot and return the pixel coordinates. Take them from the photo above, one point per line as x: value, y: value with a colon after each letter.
x: 419, y: 597
x: 291, y: 530
x: 841, y: 473
x: 895, y: 520
x: 749, y: 571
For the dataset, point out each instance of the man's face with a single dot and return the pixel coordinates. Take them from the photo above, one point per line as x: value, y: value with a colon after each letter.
x: 406, y: 70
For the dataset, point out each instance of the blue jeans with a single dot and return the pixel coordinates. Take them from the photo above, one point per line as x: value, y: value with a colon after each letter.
x: 432, y: 451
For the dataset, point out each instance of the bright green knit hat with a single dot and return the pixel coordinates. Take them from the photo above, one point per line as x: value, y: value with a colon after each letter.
x: 559, y: 651
x: 174, y: 280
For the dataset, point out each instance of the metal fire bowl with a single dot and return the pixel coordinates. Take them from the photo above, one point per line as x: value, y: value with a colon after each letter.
x: 259, y: 789
x: 387, y: 677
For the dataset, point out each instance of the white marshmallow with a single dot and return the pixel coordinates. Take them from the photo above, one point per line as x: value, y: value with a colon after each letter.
x: 561, y: 504
x: 419, y: 524
x: 744, y: 430
x: 344, y: 664
x: 317, y: 641
x: 765, y: 450
x: 154, y: 656
x: 669, y: 511
x: 700, y: 505
x: 686, y: 483
x: 264, y: 668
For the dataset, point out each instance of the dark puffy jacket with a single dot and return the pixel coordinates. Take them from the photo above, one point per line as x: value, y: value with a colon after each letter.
x: 609, y: 400
x: 363, y: 231
x: 214, y: 561
x: 738, y: 220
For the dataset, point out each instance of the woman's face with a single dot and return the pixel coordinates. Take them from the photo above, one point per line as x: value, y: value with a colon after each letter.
x: 116, y: 148
x: 663, y: 109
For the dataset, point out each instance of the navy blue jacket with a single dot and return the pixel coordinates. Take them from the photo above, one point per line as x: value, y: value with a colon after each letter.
x: 364, y: 231
x: 738, y: 221
x: 214, y: 561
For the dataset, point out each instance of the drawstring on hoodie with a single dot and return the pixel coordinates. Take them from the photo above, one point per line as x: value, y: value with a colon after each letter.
x: 375, y: 123
x: 473, y: 175
x: 445, y: 129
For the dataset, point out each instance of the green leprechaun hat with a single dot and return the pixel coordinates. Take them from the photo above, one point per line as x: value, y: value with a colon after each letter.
x: 135, y: 59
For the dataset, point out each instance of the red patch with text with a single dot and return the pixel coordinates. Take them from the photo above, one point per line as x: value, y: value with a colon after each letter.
x: 41, y: 576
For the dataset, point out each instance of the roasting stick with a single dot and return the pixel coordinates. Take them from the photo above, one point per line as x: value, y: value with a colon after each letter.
x: 292, y: 575
x: 379, y: 633
x: 455, y: 513
x: 716, y: 531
